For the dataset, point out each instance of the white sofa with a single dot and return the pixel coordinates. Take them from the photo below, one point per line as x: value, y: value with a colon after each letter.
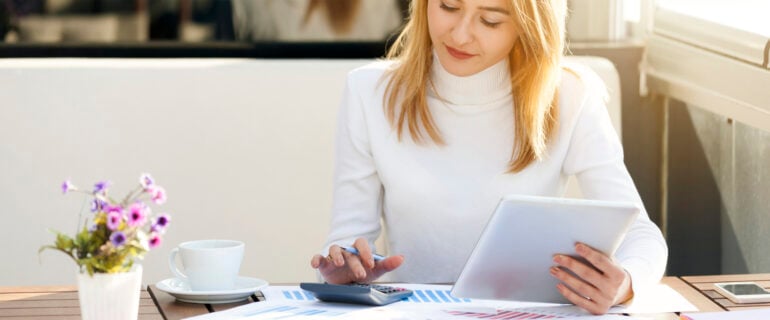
x: 243, y: 148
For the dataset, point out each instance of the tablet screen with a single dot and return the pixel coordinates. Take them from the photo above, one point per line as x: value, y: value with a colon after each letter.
x: 512, y: 258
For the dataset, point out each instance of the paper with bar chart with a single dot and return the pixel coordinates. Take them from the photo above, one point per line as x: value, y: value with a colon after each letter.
x: 428, y: 302
x: 423, y: 294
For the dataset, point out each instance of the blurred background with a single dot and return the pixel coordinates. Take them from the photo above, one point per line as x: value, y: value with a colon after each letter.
x: 140, y: 21
x: 124, y: 21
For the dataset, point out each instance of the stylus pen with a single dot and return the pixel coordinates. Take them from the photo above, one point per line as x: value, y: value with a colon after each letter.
x: 354, y: 251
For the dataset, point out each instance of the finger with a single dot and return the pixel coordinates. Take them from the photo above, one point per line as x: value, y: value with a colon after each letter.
x: 583, y: 302
x: 364, y: 252
x: 315, y: 262
x: 587, y: 273
x: 384, y: 266
x: 389, y: 264
x: 599, y: 260
x: 325, y: 264
x: 613, y: 274
x: 335, y: 256
x: 577, y: 285
x: 357, y: 269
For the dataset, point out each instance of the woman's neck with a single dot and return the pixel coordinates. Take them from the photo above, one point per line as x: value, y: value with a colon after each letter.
x: 486, y: 86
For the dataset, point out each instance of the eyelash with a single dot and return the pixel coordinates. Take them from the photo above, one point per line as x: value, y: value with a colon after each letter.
x: 454, y: 9
x: 490, y: 24
x: 448, y: 8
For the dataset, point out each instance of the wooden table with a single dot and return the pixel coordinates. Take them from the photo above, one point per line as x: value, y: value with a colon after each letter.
x: 56, y: 303
x: 697, y: 298
x: 173, y: 310
x: 61, y: 302
x: 705, y: 284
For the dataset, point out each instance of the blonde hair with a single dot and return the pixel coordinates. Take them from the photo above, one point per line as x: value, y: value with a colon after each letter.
x: 535, y: 68
x: 340, y: 13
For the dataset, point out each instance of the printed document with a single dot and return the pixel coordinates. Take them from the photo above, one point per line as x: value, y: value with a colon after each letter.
x: 434, y: 302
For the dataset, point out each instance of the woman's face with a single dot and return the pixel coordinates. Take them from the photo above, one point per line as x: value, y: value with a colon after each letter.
x: 471, y: 35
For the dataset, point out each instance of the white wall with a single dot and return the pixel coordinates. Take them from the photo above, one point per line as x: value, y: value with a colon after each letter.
x: 243, y: 147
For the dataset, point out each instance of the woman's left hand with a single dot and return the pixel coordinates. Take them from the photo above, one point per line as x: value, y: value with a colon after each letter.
x: 601, y: 285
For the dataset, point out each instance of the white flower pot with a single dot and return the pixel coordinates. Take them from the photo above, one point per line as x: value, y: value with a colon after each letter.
x: 110, y: 295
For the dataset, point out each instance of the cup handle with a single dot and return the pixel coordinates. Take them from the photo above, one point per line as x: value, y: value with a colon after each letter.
x: 172, y: 264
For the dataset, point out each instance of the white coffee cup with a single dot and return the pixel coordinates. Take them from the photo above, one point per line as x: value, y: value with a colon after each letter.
x: 209, y: 265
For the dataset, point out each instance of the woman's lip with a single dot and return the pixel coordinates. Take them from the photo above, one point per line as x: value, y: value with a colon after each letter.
x: 458, y: 54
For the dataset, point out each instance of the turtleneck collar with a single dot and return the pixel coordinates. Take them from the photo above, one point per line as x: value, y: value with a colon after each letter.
x: 487, y: 86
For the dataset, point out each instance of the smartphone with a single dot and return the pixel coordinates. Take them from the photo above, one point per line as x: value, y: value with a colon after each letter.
x: 743, y: 292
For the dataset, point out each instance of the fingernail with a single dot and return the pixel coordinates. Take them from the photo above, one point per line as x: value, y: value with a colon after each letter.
x: 557, y: 259
x: 580, y: 248
x: 554, y: 270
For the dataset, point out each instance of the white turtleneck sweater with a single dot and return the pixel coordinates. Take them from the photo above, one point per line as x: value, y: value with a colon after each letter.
x: 436, y: 200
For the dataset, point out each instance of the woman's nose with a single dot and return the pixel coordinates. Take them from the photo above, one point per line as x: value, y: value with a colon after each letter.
x: 462, y: 32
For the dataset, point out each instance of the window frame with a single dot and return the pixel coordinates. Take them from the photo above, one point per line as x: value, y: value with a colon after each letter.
x: 710, y: 65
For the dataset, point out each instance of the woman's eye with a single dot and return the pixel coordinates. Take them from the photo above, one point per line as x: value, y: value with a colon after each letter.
x: 448, y: 8
x: 490, y: 23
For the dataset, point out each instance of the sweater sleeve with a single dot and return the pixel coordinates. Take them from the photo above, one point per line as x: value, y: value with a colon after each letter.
x: 357, y: 198
x: 595, y: 157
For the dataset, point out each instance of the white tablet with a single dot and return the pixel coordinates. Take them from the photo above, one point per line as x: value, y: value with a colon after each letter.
x: 512, y: 258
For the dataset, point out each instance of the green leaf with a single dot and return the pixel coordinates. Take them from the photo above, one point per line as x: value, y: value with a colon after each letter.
x: 90, y: 269
x: 64, y: 242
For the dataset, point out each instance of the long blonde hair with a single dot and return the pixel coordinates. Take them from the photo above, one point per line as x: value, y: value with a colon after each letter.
x: 535, y: 68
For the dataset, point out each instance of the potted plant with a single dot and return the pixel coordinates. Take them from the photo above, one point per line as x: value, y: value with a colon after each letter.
x: 107, y: 248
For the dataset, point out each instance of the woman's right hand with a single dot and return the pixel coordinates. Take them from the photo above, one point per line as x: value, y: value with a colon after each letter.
x: 341, y: 267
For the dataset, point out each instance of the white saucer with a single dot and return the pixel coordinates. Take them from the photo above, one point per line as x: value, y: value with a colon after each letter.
x: 179, y: 288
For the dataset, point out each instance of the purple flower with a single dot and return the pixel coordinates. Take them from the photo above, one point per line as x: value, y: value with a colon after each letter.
x: 158, y: 194
x: 160, y: 223
x: 98, y: 205
x: 67, y: 186
x: 101, y: 186
x: 146, y: 180
x: 114, y: 218
x: 155, y: 240
x: 137, y: 214
x: 118, y: 238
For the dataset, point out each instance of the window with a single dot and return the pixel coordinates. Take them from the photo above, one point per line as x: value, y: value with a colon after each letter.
x: 746, y: 15
x: 713, y: 54
x: 738, y: 28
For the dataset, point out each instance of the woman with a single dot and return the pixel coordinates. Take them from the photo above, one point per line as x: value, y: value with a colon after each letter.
x: 475, y: 103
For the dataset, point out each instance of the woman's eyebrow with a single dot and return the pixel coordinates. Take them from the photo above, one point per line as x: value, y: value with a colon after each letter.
x: 496, y: 9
